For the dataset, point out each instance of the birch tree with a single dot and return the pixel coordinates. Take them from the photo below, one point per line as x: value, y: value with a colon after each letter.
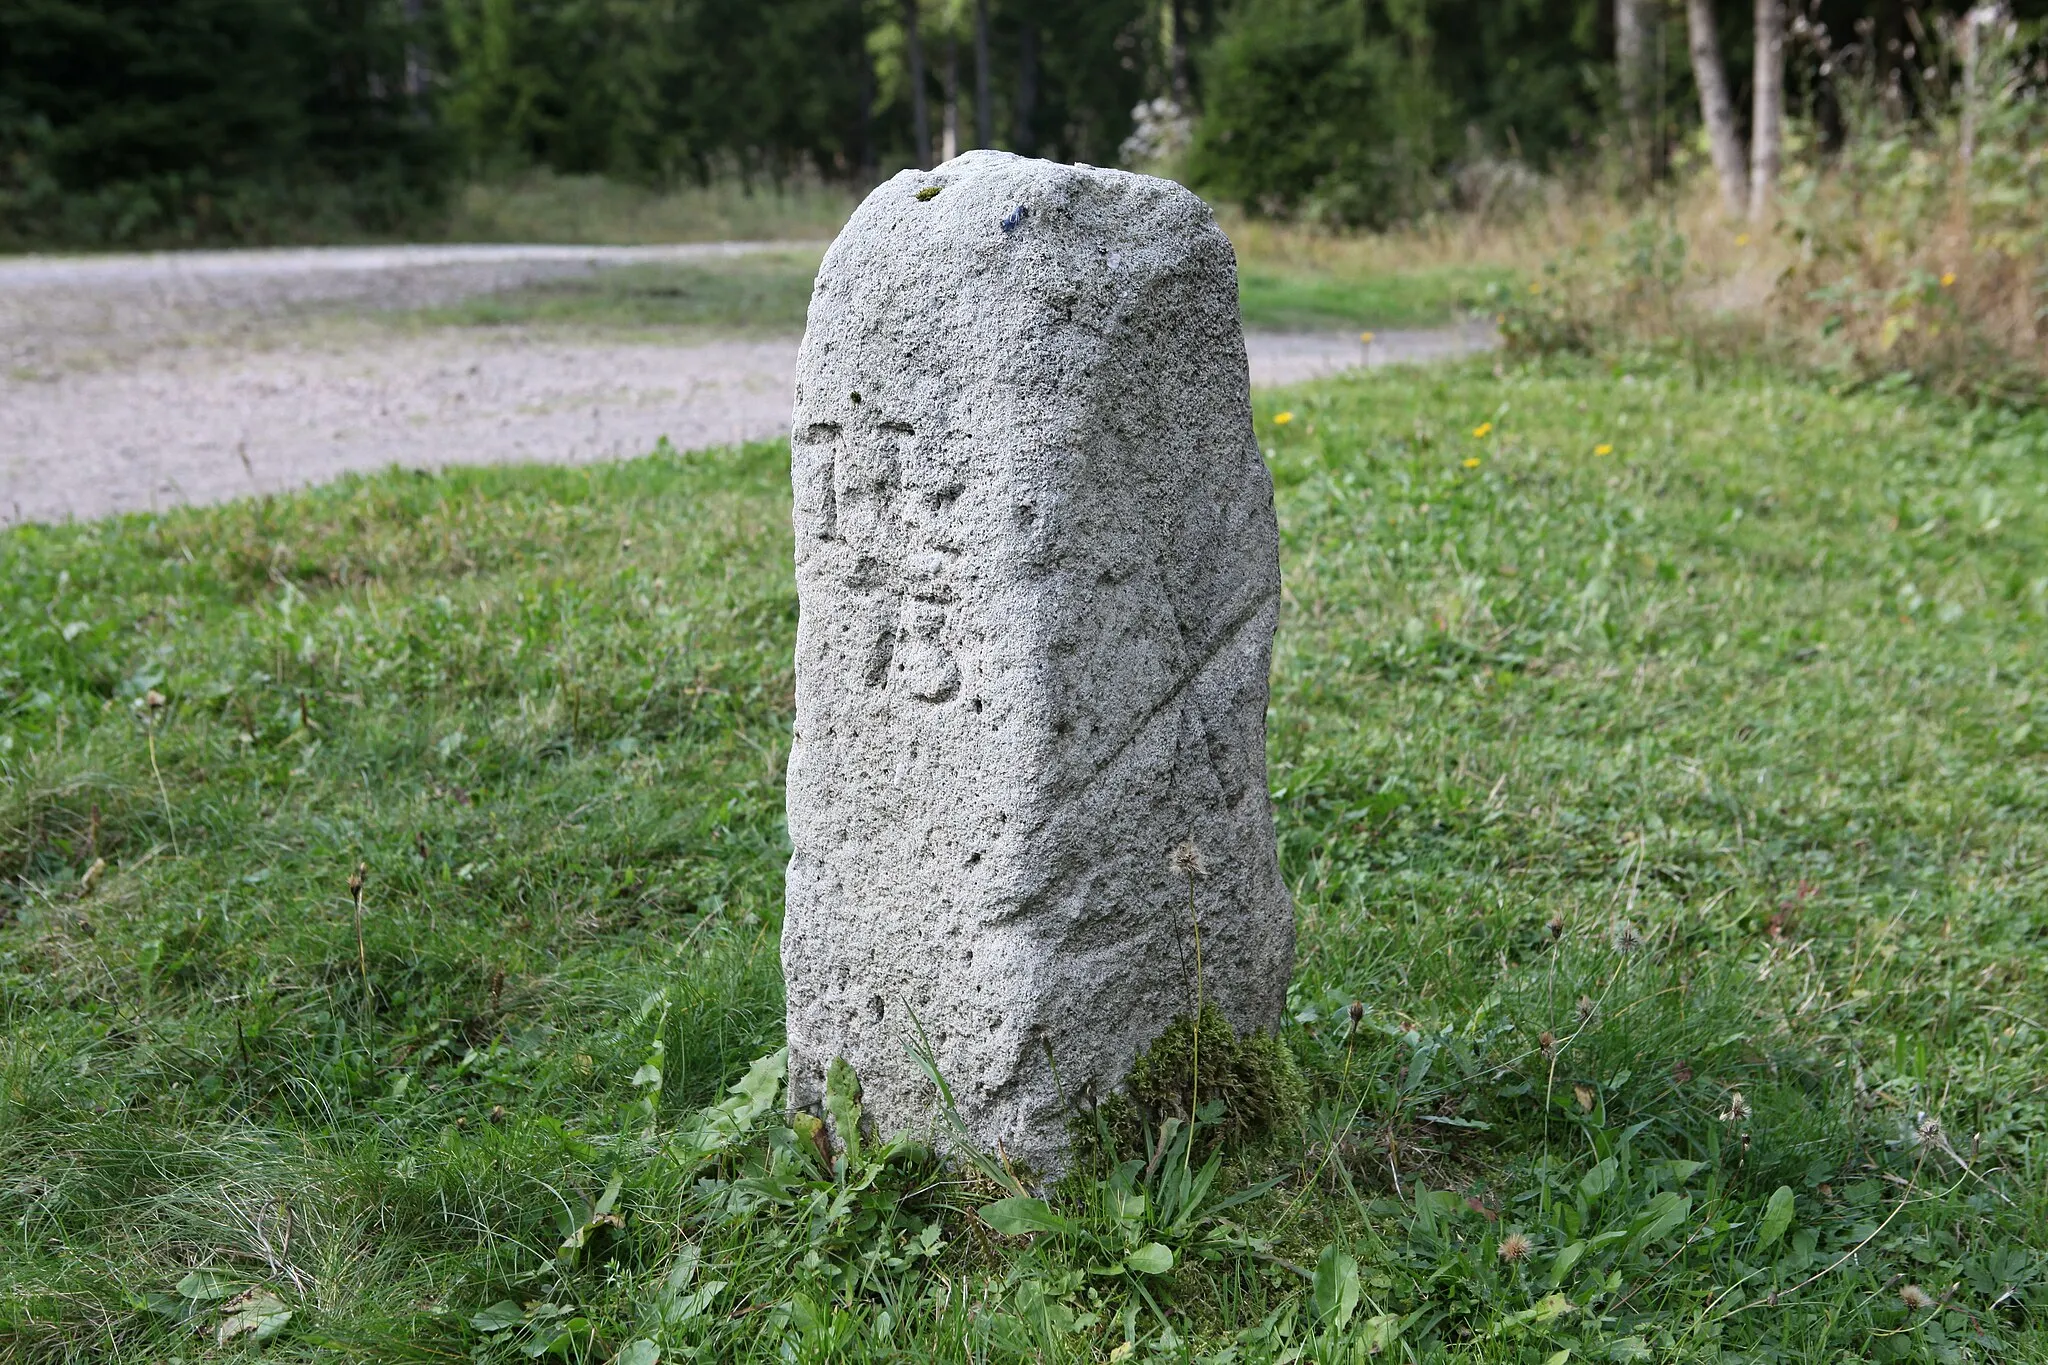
x: 920, y: 116
x: 1634, y: 24
x: 1717, y: 109
x: 984, y: 111
x: 1767, y: 112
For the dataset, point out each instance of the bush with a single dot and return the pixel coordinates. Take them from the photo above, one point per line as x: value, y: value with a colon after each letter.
x: 1309, y: 114
x: 1895, y: 259
x: 1912, y: 258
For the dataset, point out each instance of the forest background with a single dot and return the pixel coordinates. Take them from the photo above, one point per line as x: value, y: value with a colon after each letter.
x: 167, y: 122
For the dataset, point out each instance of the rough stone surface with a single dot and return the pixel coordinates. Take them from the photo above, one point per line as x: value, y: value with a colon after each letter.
x: 1038, y: 571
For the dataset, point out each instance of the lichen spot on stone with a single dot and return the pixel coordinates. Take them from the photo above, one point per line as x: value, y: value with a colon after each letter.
x: 928, y: 193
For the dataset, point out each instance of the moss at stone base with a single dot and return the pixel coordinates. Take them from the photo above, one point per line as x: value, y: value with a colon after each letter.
x: 1253, y: 1077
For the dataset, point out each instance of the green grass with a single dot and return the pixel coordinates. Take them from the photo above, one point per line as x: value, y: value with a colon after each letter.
x: 1721, y: 758
x: 1295, y: 299
x: 582, y: 209
x: 744, y: 295
x: 767, y: 294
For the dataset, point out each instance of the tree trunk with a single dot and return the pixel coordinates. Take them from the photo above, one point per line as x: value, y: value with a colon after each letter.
x: 984, y: 111
x: 1177, y: 55
x: 865, y: 148
x: 920, y: 117
x: 416, y: 73
x: 1767, y: 114
x: 1633, y: 74
x: 1026, y: 136
x: 949, y: 137
x: 1717, y: 110
x: 1970, y: 47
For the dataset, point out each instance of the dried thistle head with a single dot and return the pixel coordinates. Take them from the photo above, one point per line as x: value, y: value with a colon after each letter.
x: 1515, y: 1247
x: 154, y: 700
x: 1916, y: 1299
x: 1587, y: 1009
x: 1738, y: 1108
x: 1927, y: 1129
x: 356, y: 878
x: 1548, y: 1042
x: 1187, y: 861
x: 1357, y: 1012
x: 1555, y: 924
x: 1625, y: 937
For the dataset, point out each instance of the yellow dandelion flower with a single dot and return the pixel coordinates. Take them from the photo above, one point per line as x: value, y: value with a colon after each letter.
x: 1472, y: 462
x: 1742, y: 239
x: 1281, y: 419
x: 1948, y: 278
x: 1535, y: 286
x: 1482, y: 431
x: 1603, y: 449
x: 1365, y: 337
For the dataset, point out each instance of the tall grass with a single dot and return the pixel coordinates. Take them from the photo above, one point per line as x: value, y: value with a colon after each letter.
x: 1922, y: 244
x: 1893, y: 254
x: 543, y: 207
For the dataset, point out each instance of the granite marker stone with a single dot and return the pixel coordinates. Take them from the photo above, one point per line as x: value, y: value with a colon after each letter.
x: 1038, y: 577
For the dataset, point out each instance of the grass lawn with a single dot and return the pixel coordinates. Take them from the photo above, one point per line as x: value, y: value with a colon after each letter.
x: 768, y: 294
x: 755, y: 295
x: 1287, y: 297
x: 1662, y: 763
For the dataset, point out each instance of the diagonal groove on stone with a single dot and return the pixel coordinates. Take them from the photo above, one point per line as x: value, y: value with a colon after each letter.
x: 1187, y: 679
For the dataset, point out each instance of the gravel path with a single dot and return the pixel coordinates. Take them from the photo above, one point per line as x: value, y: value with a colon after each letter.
x: 137, y: 382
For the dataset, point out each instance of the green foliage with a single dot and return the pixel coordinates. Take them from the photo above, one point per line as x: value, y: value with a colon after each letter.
x: 1096, y: 60
x: 1351, y: 112
x: 251, y: 120
x: 653, y: 92
x: 1675, y: 812
x: 1530, y: 78
x: 544, y: 207
x: 1908, y: 259
x: 132, y: 122
x: 1626, y: 290
x: 1297, y: 299
x: 1893, y: 264
x: 1309, y: 113
x: 766, y: 293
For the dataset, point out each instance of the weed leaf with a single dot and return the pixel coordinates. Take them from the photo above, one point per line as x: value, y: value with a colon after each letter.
x: 1336, y: 1288
x: 499, y: 1317
x: 1661, y: 1216
x: 1777, y: 1217
x: 257, y: 1314
x: 842, y: 1102
x: 1566, y: 1259
x: 1021, y: 1215
x: 718, y: 1126
x: 1150, y: 1259
x: 205, y: 1284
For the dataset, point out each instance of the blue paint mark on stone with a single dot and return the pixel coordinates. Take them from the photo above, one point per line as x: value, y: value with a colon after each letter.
x: 1015, y: 218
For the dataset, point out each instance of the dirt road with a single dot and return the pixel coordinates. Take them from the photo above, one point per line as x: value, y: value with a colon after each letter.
x: 139, y: 382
